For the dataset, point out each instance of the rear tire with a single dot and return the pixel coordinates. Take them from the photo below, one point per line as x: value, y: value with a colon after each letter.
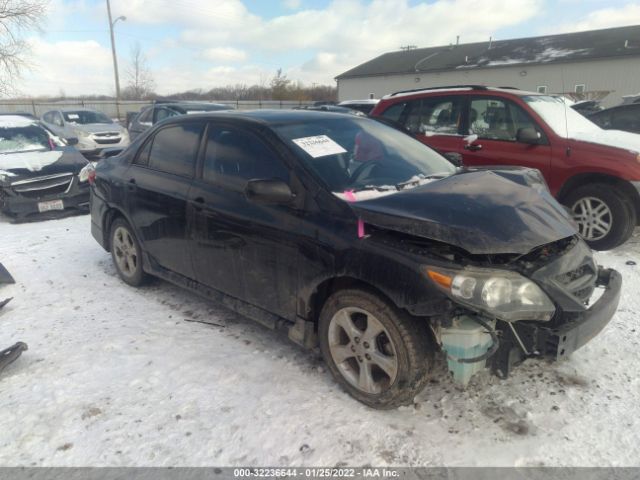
x: 126, y: 253
x: 380, y: 355
x: 605, y: 218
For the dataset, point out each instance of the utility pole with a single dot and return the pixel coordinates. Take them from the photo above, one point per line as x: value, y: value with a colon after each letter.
x: 115, y: 59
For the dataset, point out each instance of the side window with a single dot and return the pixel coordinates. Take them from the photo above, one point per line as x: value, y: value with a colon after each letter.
x: 47, y: 117
x: 440, y: 115
x: 145, y: 116
x: 162, y: 113
x: 234, y: 156
x: 434, y: 116
x: 625, y: 119
x: 497, y: 119
x: 57, y: 119
x: 142, y: 158
x: 394, y: 112
x: 174, y: 149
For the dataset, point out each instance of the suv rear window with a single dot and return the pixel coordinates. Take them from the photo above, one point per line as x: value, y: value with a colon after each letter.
x: 434, y: 116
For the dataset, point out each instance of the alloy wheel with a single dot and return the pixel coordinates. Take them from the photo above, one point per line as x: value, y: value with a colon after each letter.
x: 126, y: 253
x: 593, y: 217
x: 362, y: 350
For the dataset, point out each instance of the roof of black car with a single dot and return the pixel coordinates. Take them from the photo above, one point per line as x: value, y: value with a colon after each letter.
x: 269, y: 117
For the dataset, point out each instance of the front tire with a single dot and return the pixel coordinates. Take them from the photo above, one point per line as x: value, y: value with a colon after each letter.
x: 380, y: 355
x: 126, y: 253
x: 605, y: 218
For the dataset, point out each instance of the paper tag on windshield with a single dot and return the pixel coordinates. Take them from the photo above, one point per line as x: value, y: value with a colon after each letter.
x: 319, y: 146
x: 73, y: 116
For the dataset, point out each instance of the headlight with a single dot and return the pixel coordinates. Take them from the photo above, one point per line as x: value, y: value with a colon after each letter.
x: 82, y: 134
x: 503, y: 294
x: 88, y: 172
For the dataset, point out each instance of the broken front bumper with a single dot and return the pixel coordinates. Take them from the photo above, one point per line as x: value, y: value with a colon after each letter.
x: 575, y: 330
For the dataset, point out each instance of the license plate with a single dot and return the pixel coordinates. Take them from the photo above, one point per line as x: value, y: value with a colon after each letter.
x: 51, y: 205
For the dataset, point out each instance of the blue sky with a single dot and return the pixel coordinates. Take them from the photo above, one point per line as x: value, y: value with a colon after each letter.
x: 200, y: 44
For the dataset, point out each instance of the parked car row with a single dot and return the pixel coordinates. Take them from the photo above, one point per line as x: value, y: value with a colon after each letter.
x: 353, y: 236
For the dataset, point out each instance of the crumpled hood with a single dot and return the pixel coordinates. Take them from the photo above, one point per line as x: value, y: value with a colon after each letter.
x: 24, y: 165
x: 98, y: 127
x: 610, y: 138
x: 478, y: 211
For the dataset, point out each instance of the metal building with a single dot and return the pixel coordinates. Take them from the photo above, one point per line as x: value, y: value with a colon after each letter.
x: 597, y: 64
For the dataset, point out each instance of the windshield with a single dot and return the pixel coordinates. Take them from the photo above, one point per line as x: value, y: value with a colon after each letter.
x: 352, y: 154
x: 24, y: 139
x: 83, y: 117
x: 563, y: 119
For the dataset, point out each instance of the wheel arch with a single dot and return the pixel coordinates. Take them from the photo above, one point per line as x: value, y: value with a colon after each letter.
x: 583, y: 179
x: 107, y: 220
x: 329, y: 286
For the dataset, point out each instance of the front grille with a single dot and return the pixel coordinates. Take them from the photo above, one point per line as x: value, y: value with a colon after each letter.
x: 107, y: 141
x: 106, y: 134
x: 43, y: 186
x: 579, y: 282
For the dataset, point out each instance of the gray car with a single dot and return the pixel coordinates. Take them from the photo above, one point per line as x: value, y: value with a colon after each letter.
x: 94, y: 130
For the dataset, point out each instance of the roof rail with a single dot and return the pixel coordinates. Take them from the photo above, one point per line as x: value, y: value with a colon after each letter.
x: 509, y: 88
x: 473, y: 87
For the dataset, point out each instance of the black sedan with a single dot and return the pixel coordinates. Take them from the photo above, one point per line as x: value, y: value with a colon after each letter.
x: 622, y: 117
x: 353, y: 236
x: 40, y: 176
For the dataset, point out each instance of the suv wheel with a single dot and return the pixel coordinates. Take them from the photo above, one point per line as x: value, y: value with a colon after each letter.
x: 380, y: 355
x: 126, y: 253
x: 605, y: 218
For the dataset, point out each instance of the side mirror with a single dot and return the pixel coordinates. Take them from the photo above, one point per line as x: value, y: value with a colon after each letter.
x: 269, y: 191
x: 71, y: 140
x: 528, y: 135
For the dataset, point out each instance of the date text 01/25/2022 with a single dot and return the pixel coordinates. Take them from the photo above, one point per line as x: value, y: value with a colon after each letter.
x: 316, y: 472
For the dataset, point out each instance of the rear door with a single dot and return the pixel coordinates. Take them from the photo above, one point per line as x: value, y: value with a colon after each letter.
x: 493, y: 123
x: 244, y: 249
x: 157, y: 185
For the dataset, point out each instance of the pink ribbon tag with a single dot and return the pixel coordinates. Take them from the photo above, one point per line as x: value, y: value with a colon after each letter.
x: 352, y: 198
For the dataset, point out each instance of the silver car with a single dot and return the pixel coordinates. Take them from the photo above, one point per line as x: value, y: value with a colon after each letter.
x: 94, y: 130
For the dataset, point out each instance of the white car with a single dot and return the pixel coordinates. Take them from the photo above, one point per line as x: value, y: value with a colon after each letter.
x: 94, y: 130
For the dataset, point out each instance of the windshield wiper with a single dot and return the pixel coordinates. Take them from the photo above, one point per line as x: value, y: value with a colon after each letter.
x: 415, y: 181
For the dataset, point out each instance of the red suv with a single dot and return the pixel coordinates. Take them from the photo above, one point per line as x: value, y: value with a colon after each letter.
x: 594, y: 172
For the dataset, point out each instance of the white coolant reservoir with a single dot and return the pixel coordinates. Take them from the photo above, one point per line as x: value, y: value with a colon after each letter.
x: 465, y: 339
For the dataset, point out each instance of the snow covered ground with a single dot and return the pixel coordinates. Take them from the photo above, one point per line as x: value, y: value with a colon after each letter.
x: 117, y: 376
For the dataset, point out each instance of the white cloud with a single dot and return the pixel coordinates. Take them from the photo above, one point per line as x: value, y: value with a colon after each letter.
x: 77, y: 67
x: 603, y: 18
x: 224, y: 54
x: 292, y: 4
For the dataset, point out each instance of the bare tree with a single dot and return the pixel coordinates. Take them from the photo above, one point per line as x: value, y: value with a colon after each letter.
x: 16, y: 16
x: 140, y: 83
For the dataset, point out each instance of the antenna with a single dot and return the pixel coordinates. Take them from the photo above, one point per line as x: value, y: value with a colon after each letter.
x: 490, y: 40
x: 457, y: 40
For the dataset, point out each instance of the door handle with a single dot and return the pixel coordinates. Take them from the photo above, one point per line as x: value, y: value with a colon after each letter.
x: 132, y: 185
x: 474, y: 147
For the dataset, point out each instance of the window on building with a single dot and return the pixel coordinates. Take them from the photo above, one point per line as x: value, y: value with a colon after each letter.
x: 541, y: 89
x: 580, y: 88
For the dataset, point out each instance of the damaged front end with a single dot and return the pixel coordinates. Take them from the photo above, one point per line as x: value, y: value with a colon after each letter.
x: 540, y: 304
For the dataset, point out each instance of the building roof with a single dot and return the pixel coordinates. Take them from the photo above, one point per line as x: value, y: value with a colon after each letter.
x: 566, y: 47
